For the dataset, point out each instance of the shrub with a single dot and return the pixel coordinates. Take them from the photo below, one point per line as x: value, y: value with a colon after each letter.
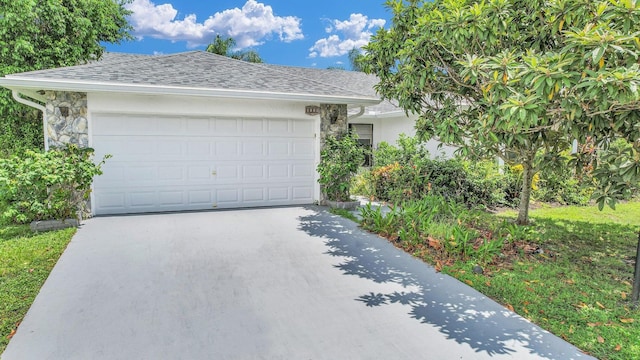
x: 362, y: 183
x: 408, y: 172
x: 557, y: 182
x: 50, y: 185
x: 340, y: 159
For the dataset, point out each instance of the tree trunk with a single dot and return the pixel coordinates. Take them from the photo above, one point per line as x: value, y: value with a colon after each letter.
x: 525, y: 194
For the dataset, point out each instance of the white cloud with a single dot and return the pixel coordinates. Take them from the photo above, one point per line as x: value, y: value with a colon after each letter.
x: 345, y: 35
x: 249, y: 26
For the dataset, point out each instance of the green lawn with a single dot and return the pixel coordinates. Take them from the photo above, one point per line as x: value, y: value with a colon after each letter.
x: 579, y: 288
x: 25, y: 262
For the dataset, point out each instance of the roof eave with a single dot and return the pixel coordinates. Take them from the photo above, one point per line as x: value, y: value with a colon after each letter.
x: 35, y: 84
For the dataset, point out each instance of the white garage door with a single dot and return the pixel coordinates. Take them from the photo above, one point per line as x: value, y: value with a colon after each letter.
x: 187, y: 163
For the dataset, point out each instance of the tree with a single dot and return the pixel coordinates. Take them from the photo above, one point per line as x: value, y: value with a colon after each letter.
x: 518, y: 79
x: 355, y: 59
x: 224, y: 46
x: 43, y: 34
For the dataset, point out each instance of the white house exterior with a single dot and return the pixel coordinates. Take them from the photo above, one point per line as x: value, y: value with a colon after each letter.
x: 195, y: 130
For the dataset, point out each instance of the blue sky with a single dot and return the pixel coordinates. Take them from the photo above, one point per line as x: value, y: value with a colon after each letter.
x: 299, y: 33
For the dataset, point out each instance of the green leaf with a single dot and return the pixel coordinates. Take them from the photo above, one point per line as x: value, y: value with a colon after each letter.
x: 597, y: 54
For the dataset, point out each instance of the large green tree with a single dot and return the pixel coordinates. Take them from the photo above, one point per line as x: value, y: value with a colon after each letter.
x: 520, y: 79
x: 224, y: 46
x: 43, y: 34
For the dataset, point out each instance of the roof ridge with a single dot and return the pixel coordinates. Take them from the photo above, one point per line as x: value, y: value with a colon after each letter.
x: 270, y: 67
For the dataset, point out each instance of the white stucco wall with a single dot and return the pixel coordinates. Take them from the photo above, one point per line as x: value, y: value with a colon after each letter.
x: 388, y: 128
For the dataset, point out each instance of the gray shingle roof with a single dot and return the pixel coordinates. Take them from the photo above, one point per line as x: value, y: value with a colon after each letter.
x: 199, y: 69
x: 351, y: 80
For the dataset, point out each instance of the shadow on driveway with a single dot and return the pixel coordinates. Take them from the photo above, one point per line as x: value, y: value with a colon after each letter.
x: 459, y: 312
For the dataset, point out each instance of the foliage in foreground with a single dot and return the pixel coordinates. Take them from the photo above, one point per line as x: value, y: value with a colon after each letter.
x: 569, y: 272
x: 49, y: 185
x: 340, y: 158
x: 36, y: 35
x: 407, y: 172
x: 512, y: 78
x: 26, y: 261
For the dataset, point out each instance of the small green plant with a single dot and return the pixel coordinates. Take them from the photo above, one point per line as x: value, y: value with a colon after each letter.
x: 49, y: 185
x: 488, y: 250
x: 340, y: 158
x: 459, y: 244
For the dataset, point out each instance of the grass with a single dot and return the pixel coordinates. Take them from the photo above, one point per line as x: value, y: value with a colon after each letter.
x: 578, y: 288
x: 344, y: 213
x: 26, y: 261
x: 581, y: 293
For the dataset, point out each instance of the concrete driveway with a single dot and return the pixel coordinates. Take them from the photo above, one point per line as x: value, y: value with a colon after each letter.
x: 277, y: 283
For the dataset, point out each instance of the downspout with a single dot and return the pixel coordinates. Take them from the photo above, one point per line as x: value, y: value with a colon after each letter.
x: 18, y: 98
x: 360, y: 113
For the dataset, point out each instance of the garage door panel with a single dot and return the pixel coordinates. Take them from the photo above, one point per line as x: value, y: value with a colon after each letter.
x: 200, y: 197
x: 278, y: 171
x: 198, y: 126
x: 171, y: 173
x: 253, y: 172
x: 302, y: 193
x: 186, y: 163
x: 256, y: 194
x: 226, y: 149
x: 199, y: 149
x: 142, y: 198
x: 199, y: 173
x: 252, y: 127
x: 278, y: 148
x: 140, y: 173
x: 168, y: 198
x: 227, y: 173
x: 302, y: 171
x: 227, y: 196
x: 303, y: 149
x: 302, y: 128
x: 253, y: 149
x: 279, y: 127
x: 227, y: 127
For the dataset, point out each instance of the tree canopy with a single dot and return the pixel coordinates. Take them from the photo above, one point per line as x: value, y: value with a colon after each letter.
x: 224, y: 46
x: 43, y: 34
x: 519, y: 79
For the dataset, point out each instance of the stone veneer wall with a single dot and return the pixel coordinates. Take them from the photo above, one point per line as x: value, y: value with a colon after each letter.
x: 72, y: 128
x: 333, y: 120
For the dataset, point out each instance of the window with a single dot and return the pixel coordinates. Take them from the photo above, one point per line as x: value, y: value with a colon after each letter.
x: 365, y: 138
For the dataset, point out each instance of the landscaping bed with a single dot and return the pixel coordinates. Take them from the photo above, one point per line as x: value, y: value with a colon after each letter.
x: 570, y: 271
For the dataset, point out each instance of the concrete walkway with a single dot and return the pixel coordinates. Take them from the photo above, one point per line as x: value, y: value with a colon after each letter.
x: 278, y: 283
